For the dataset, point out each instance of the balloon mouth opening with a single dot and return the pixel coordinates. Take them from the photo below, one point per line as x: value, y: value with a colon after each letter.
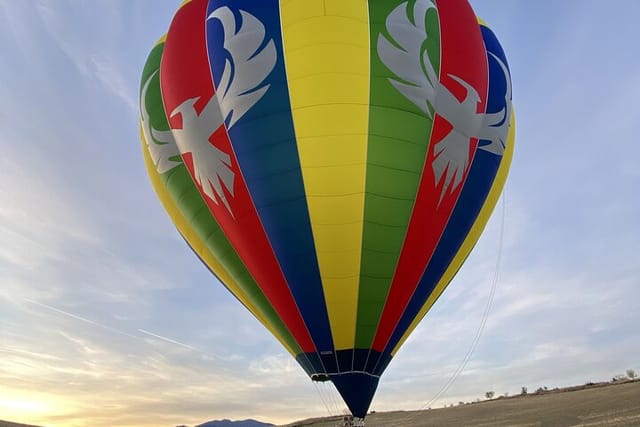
x: 321, y: 378
x: 357, y: 390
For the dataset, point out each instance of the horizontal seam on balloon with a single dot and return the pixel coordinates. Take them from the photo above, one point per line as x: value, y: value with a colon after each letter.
x: 339, y: 223
x: 335, y: 166
x: 384, y: 196
x: 302, y: 21
x: 379, y: 251
x: 329, y: 104
x: 413, y: 113
x: 336, y: 43
x: 276, y: 173
x: 325, y: 73
x: 350, y: 276
x: 331, y: 135
x: 324, y: 196
x: 394, y: 168
x: 393, y: 138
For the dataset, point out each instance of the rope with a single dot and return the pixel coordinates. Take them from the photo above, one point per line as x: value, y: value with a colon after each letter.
x: 332, y: 395
x: 315, y: 384
x: 483, y: 321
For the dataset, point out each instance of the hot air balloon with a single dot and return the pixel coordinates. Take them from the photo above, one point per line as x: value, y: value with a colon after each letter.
x: 332, y: 162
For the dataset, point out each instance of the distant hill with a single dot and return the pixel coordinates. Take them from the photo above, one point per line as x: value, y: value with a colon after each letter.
x: 8, y: 424
x: 229, y: 423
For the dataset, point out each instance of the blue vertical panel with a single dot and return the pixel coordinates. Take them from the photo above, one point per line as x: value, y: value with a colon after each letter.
x: 263, y: 140
x: 476, y: 188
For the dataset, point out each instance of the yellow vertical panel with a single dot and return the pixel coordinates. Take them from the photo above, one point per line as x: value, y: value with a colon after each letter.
x: 297, y: 10
x: 328, y: 179
x: 334, y: 82
x: 335, y: 210
x: 352, y: 9
x: 324, y: 148
x: 326, y: 47
x: 338, y: 239
x: 474, y: 233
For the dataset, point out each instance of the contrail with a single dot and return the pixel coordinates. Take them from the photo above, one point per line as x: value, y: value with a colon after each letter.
x: 82, y: 319
x: 160, y: 337
x: 169, y: 340
x: 117, y: 331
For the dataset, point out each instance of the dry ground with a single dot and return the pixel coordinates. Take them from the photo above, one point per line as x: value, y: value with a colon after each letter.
x: 612, y: 405
x: 615, y: 404
x: 8, y: 424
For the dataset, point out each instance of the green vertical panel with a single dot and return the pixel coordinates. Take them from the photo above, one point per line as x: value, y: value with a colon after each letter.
x: 185, y: 194
x: 398, y: 141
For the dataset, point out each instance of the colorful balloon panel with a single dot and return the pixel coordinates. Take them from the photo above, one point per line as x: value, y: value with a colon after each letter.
x: 332, y: 162
x: 188, y: 210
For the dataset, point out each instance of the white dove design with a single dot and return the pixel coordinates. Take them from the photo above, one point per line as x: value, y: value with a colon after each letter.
x: 405, y: 56
x: 246, y: 68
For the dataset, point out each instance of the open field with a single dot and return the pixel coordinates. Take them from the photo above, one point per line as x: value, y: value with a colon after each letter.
x: 608, y: 404
x: 611, y: 404
x: 9, y: 424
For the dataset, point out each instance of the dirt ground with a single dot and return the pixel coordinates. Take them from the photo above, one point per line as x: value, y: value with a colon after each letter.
x: 9, y: 424
x: 613, y: 405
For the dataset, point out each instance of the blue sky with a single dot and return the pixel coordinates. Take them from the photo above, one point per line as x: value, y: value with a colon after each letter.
x: 106, y: 317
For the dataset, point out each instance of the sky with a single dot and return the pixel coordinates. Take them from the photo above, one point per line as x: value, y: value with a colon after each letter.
x: 107, y: 318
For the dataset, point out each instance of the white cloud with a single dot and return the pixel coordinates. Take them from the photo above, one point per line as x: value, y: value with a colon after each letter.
x: 93, y: 367
x: 87, y: 47
x: 35, y: 222
x: 111, y: 77
x: 273, y: 366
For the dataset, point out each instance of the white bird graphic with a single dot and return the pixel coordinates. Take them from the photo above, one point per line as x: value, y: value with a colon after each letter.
x: 404, y: 54
x: 240, y: 88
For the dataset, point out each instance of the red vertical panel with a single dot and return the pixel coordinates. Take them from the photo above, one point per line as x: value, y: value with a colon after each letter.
x: 464, y: 56
x: 185, y: 76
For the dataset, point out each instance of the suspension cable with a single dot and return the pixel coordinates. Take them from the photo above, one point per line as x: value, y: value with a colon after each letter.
x: 485, y: 315
x: 324, y: 403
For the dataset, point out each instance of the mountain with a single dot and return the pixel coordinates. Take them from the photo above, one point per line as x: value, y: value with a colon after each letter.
x: 10, y: 424
x: 229, y: 423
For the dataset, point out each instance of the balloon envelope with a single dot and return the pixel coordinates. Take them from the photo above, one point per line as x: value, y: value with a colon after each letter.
x: 331, y: 162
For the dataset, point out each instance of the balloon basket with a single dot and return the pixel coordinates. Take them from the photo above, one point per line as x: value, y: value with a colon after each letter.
x: 351, y: 421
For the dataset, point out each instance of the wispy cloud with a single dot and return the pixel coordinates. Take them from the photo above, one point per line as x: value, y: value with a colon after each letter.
x: 76, y: 317
x: 109, y: 74
x: 93, y: 53
x: 77, y: 357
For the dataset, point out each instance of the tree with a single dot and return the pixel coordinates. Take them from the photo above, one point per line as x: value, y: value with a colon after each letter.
x: 524, y: 390
x: 631, y: 374
x: 489, y: 395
